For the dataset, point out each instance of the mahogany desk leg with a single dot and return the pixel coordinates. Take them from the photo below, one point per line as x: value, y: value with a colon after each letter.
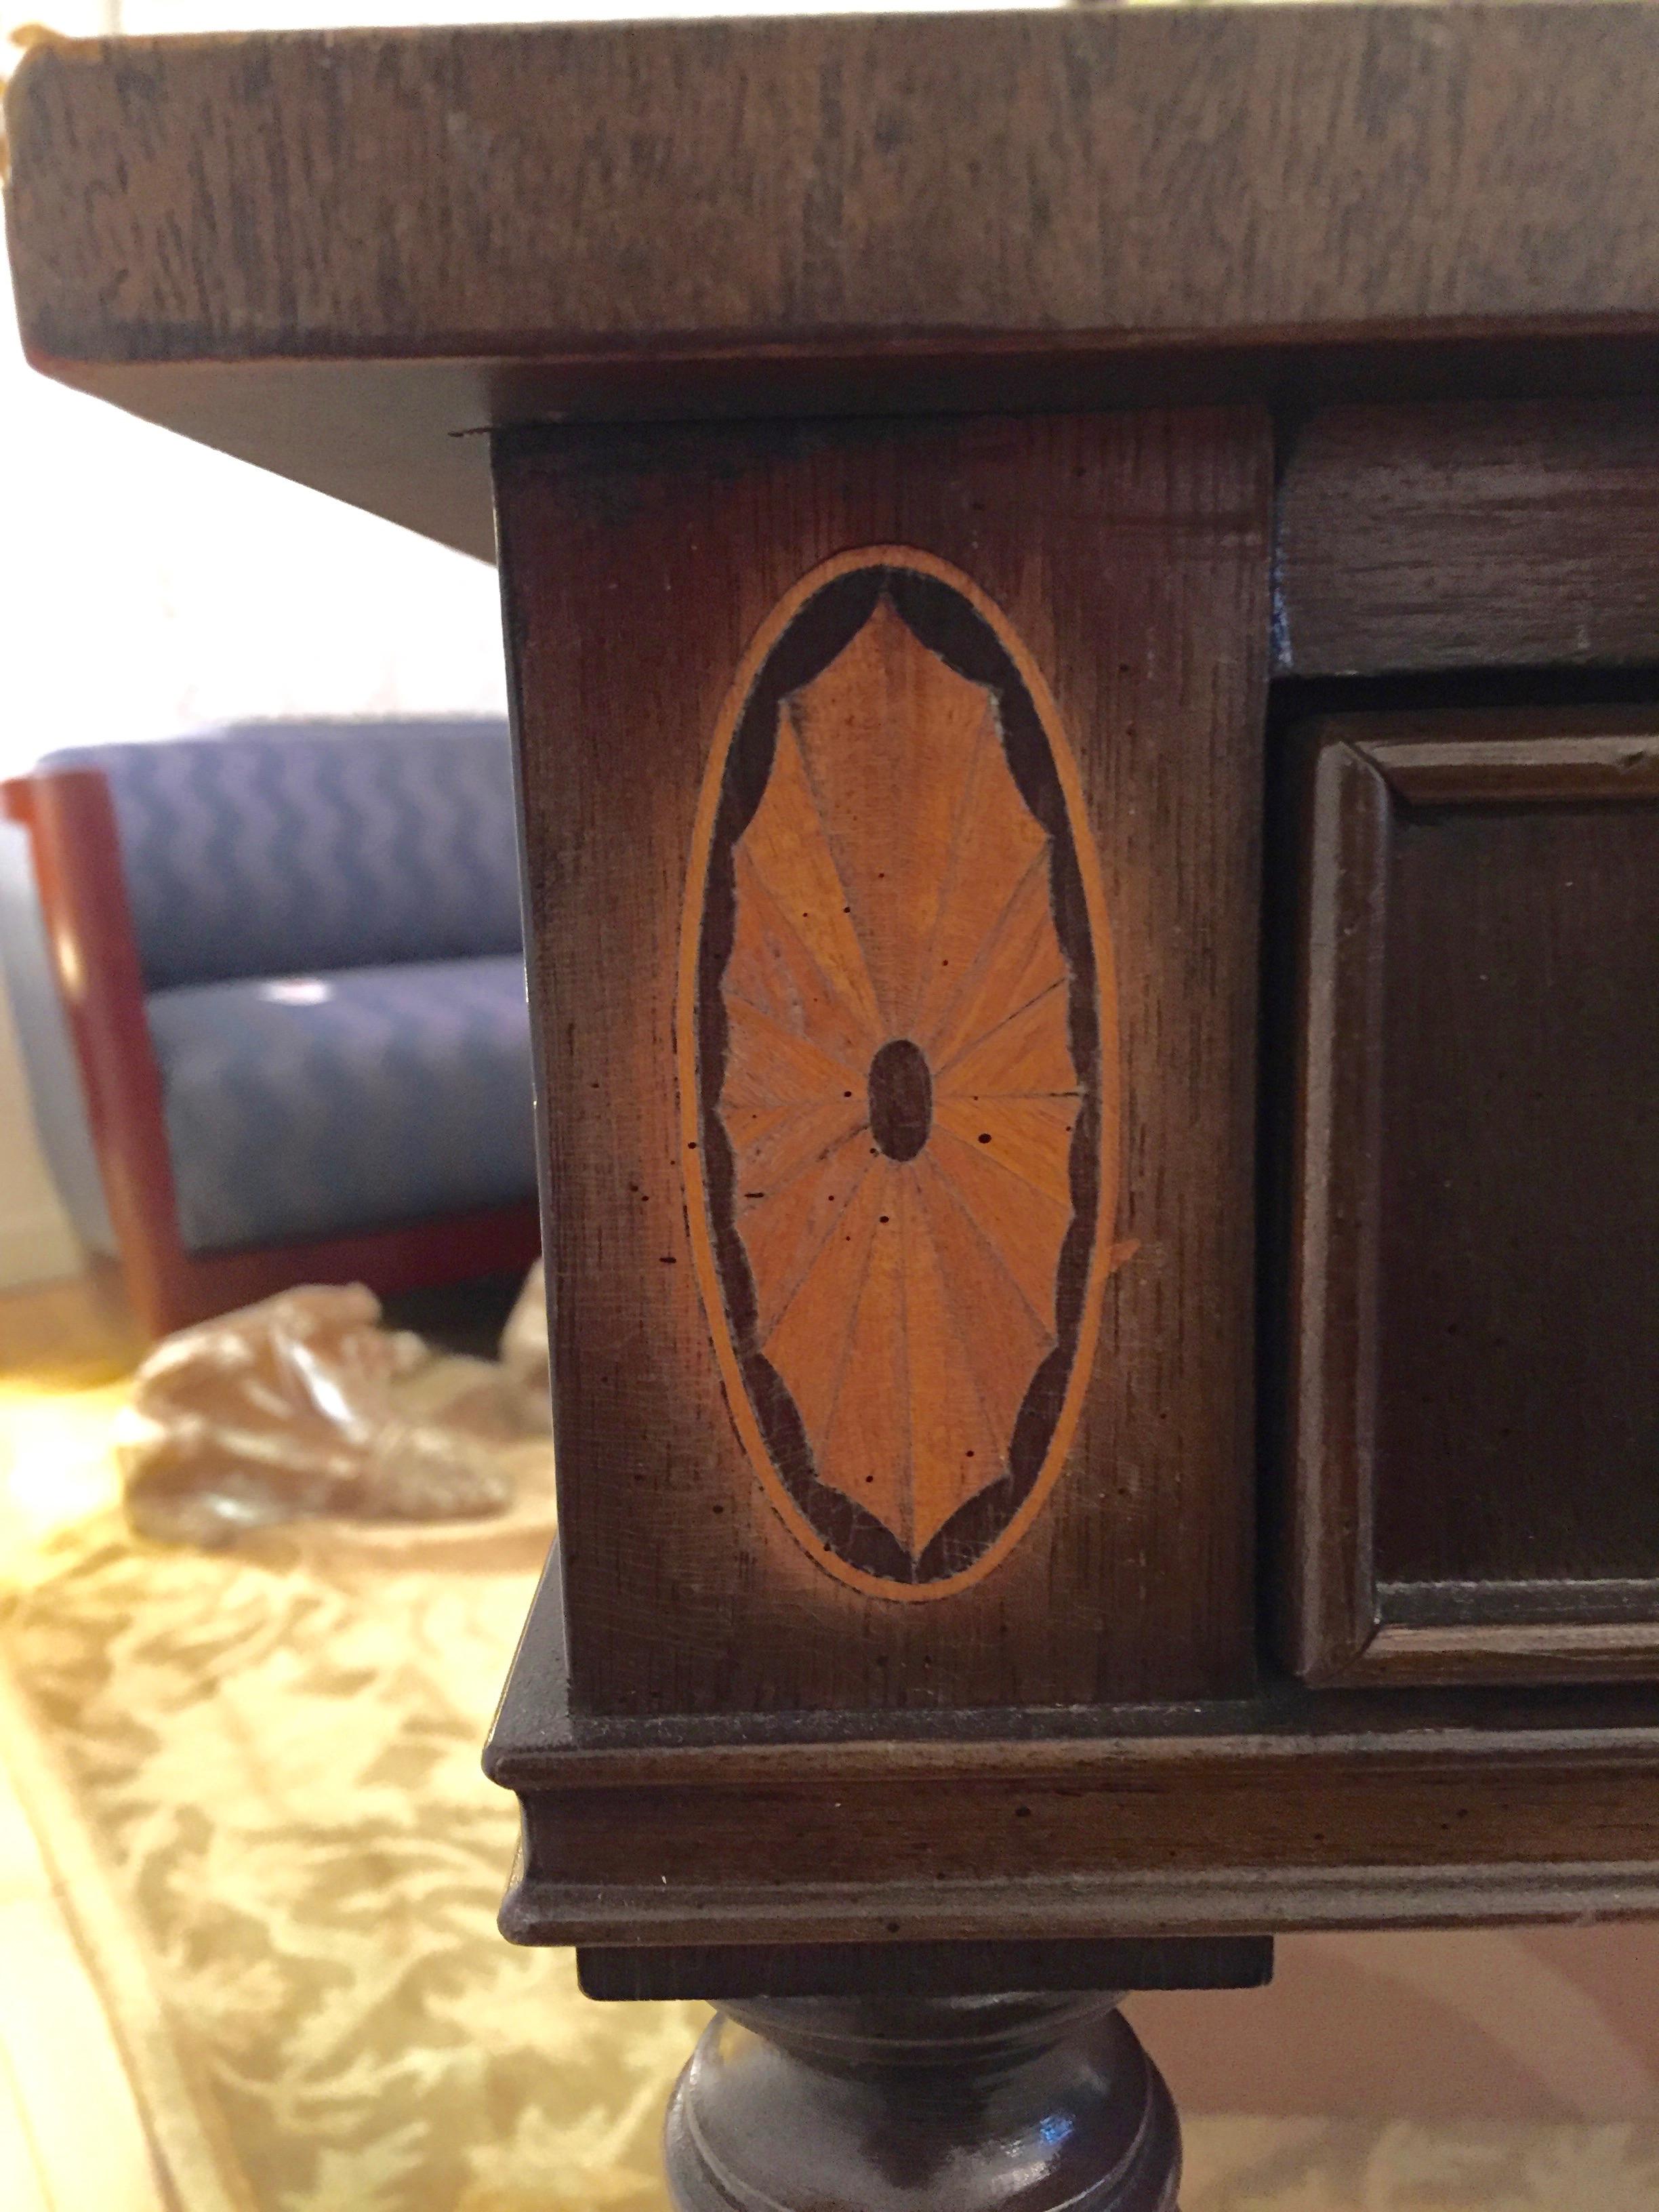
x: 910, y: 2103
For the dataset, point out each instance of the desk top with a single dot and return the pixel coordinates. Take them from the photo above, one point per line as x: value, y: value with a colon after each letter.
x: 335, y: 254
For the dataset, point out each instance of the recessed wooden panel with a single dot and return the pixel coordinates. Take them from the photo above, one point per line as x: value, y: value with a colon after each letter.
x: 1477, y: 1403
x: 1015, y: 607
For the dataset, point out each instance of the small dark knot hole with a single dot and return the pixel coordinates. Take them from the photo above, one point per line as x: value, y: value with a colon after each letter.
x: 900, y: 1099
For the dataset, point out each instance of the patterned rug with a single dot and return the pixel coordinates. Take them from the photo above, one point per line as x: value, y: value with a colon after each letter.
x: 257, y: 1776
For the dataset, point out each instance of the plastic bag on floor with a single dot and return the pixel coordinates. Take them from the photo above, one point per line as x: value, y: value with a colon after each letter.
x: 525, y: 1357
x: 300, y: 1404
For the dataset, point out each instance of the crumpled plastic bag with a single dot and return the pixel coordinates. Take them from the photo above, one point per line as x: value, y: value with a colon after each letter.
x: 524, y: 1357
x: 291, y: 1408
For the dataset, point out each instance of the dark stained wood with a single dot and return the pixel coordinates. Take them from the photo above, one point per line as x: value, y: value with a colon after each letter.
x: 432, y: 192
x: 1174, y: 1837
x: 1469, y: 535
x: 77, y: 862
x: 1129, y: 555
x: 757, y: 1970
x: 1020, y: 2104
x: 1292, y: 1809
x: 1473, y: 1406
x: 1326, y: 1566
x: 333, y: 252
x: 408, y: 439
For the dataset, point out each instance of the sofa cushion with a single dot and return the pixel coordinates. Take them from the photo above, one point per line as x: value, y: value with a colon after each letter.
x: 272, y: 848
x: 305, y: 1106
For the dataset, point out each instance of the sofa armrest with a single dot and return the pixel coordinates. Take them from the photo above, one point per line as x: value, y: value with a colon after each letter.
x: 83, y: 899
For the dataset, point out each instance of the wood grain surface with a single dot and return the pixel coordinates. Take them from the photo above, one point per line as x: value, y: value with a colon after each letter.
x: 1129, y: 555
x: 1195, y: 1838
x: 899, y: 1087
x: 1018, y: 2104
x: 1479, y: 534
x: 1292, y: 1808
x: 1474, y: 1407
x: 335, y: 253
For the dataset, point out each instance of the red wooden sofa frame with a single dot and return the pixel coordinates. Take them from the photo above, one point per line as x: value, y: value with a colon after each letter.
x: 71, y: 821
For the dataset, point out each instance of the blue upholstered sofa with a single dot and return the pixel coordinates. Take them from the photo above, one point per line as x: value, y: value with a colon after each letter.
x: 290, y: 963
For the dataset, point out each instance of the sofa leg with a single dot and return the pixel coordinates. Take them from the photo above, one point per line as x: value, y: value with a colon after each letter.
x: 922, y: 2104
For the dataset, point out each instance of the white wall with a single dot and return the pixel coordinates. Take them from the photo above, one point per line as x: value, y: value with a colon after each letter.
x: 148, y: 586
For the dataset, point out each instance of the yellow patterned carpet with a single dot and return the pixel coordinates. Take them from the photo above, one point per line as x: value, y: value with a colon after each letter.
x: 256, y: 1776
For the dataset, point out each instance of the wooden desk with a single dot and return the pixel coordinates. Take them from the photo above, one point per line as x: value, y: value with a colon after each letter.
x: 1071, y: 1464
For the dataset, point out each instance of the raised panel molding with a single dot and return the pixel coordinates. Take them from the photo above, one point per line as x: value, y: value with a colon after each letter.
x: 1478, y: 892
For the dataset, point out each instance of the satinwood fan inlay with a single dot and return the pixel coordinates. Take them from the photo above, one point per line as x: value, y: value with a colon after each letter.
x: 899, y: 1075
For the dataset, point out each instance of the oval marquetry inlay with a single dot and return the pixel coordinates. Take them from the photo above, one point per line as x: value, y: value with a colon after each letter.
x: 898, y: 1072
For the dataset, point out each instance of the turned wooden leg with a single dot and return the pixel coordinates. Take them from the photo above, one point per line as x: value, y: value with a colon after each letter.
x: 1010, y: 2103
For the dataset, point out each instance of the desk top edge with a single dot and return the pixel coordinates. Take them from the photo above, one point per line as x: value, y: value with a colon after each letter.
x: 1149, y: 174
x: 333, y: 254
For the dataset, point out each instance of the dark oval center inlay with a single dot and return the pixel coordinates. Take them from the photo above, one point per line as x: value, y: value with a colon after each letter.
x: 900, y: 1099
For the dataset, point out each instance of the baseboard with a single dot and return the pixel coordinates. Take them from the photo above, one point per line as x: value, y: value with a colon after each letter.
x: 38, y: 1246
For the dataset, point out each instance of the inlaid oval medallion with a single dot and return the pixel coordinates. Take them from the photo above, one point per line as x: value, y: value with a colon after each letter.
x: 898, y: 1072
